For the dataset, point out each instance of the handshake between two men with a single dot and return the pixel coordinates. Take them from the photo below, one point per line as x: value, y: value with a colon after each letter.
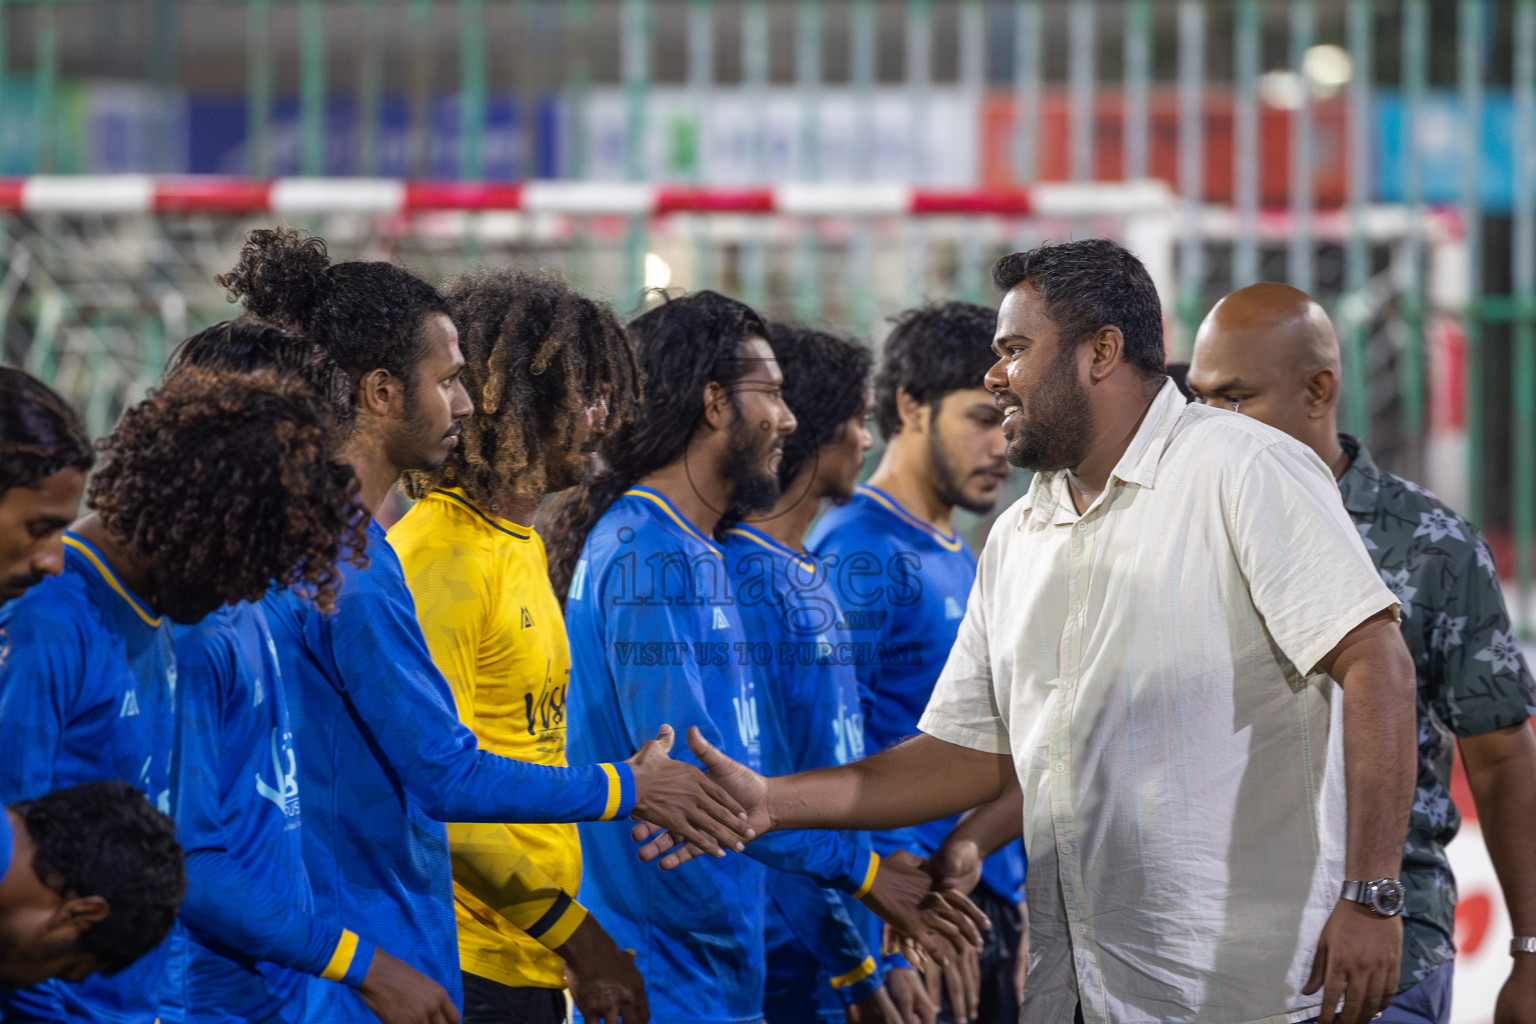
x: 682, y: 815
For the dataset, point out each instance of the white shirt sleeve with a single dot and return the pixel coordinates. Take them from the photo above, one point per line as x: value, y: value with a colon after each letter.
x: 963, y: 708
x: 1308, y: 573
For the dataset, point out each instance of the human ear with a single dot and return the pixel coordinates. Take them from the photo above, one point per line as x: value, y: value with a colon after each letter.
x: 717, y: 406
x: 1322, y: 391
x: 377, y: 392
x: 914, y: 414
x: 1106, y: 351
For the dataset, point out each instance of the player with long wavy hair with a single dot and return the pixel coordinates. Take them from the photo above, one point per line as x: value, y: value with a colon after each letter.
x: 549, y: 371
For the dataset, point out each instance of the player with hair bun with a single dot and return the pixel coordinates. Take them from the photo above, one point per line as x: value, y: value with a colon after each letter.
x: 381, y: 754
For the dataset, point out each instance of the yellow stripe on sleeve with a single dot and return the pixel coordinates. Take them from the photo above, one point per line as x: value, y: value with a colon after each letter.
x: 341, y: 959
x: 562, y: 929
x: 856, y: 975
x: 869, y: 877
x: 615, y: 792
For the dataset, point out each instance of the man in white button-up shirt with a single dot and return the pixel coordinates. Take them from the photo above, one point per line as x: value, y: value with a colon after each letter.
x: 1167, y: 634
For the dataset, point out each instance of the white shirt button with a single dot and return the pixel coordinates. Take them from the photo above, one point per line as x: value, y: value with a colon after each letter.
x: 1060, y: 767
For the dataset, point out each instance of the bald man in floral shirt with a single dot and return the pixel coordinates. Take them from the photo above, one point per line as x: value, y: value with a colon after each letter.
x: 1269, y: 351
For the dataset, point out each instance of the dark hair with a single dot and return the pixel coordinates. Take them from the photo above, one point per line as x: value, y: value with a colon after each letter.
x: 244, y: 346
x: 105, y: 839
x: 232, y: 481
x: 932, y: 350
x: 537, y: 355
x: 1089, y: 284
x: 366, y: 314
x: 825, y: 377
x: 39, y: 433
x: 683, y: 344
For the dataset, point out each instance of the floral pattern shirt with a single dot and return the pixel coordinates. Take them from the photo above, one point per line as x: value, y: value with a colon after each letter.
x: 1472, y: 678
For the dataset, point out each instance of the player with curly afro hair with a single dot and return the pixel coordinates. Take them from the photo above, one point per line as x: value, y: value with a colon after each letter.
x: 216, y: 487
x: 550, y: 372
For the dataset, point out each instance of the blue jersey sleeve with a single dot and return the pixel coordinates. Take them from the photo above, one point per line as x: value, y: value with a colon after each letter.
x: 403, y: 703
x: 223, y: 900
x: 42, y: 662
x: 820, y: 920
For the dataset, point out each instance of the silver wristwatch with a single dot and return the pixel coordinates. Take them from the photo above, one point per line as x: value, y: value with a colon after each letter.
x: 1522, y: 944
x: 1382, y: 897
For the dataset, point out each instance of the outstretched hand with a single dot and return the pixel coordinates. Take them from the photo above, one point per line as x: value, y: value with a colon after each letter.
x: 743, y: 786
x: 689, y: 804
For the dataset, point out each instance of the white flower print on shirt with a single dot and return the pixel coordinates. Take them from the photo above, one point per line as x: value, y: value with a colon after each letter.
x: 1502, y: 652
x: 1436, y: 524
x: 1397, y: 582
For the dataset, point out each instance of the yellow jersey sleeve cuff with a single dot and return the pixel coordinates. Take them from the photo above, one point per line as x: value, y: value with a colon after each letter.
x: 558, y: 923
x: 856, y: 975
x: 350, y: 960
x: 869, y: 876
x: 621, y: 791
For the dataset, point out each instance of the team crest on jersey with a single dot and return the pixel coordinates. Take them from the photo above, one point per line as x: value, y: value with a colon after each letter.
x: 130, y: 704
x: 285, y: 771
x: 721, y: 622
x: 952, y: 609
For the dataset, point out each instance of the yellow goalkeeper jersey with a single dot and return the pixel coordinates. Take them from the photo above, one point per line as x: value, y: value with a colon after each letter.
x: 494, y: 627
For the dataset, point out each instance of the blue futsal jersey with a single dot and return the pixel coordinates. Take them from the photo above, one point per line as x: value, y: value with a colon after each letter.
x: 88, y: 682
x: 903, y: 587
x: 248, y: 946
x: 818, y: 958
x: 384, y: 761
x: 656, y: 638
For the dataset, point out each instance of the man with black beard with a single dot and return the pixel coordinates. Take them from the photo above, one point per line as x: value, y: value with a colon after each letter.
x: 657, y: 635
x: 1179, y: 647
x: 903, y: 574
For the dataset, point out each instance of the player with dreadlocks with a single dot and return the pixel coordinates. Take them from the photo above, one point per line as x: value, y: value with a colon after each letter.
x: 44, y: 456
x: 656, y: 635
x: 213, y: 489
x: 250, y: 946
x: 544, y: 366
x: 379, y: 744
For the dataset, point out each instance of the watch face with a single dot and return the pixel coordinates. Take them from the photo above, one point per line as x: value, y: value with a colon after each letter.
x: 1386, y: 896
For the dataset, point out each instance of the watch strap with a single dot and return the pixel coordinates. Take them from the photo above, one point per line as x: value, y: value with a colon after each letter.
x: 1522, y: 944
x: 1351, y: 891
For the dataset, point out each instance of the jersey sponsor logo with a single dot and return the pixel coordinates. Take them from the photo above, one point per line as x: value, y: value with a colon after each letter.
x: 527, y: 619
x: 848, y: 730
x: 130, y: 704
x: 746, y: 721
x: 285, y: 790
x: 861, y: 620
x: 953, y: 609
x: 579, y: 581
x: 721, y: 622
x: 546, y: 712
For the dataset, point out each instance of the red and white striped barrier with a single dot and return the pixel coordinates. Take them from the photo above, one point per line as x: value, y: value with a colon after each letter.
x: 132, y: 193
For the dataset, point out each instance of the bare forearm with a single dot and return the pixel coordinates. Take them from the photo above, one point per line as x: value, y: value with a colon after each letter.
x: 994, y: 825
x: 1380, y: 734
x: 914, y: 782
x: 1501, y: 772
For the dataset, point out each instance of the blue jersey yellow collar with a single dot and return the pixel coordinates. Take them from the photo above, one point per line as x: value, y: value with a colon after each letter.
x: 949, y: 541
x: 457, y: 496
x: 758, y: 537
x: 88, y: 551
x: 661, y: 502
